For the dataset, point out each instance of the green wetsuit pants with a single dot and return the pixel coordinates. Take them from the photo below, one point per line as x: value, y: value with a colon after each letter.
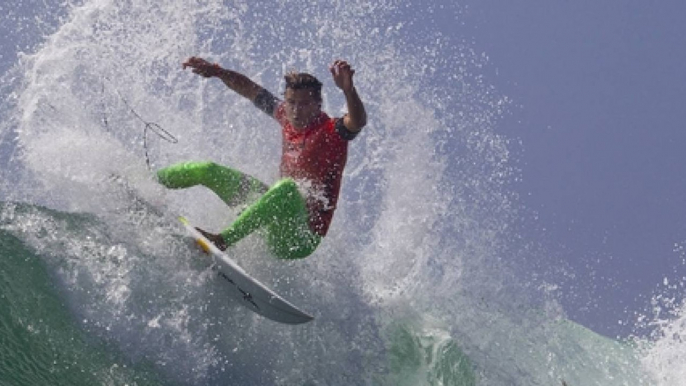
x: 280, y: 210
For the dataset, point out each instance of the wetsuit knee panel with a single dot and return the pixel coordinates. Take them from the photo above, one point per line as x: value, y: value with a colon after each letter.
x: 285, y: 193
x: 286, y: 184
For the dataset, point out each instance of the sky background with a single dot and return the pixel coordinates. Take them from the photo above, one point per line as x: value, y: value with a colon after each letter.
x: 598, y: 104
x: 599, y: 91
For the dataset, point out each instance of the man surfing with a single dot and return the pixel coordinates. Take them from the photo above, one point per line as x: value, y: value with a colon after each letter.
x: 296, y: 212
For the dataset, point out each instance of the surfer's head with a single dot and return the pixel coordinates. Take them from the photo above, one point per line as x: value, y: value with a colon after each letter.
x: 303, y: 97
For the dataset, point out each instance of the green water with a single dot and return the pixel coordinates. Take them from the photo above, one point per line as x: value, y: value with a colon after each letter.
x: 40, y: 344
x: 44, y: 342
x: 426, y: 358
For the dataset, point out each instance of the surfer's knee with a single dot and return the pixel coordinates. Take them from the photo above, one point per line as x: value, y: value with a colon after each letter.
x: 286, y: 185
x: 284, y: 193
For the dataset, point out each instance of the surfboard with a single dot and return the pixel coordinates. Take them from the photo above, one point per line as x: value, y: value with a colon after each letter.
x: 244, y: 288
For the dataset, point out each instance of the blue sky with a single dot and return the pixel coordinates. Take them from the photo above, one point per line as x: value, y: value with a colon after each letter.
x: 599, y: 91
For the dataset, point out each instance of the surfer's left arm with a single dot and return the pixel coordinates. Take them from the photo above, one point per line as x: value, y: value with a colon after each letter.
x: 342, y: 74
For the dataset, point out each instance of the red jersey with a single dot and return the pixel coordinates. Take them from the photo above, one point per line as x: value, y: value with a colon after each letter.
x: 315, y: 155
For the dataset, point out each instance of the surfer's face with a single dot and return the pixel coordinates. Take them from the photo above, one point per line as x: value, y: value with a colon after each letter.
x: 301, y: 107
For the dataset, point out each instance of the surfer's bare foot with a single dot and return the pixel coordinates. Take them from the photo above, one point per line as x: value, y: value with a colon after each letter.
x: 217, y: 240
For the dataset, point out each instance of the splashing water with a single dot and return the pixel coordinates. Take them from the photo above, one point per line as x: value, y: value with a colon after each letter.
x: 409, y: 288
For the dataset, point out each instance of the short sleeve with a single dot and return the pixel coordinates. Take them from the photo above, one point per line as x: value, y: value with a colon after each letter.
x: 266, y: 102
x: 343, y: 131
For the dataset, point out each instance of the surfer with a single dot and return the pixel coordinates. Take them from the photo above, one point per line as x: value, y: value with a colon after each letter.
x: 296, y: 212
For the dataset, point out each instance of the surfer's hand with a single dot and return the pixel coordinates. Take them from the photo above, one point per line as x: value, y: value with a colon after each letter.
x: 202, y: 67
x: 342, y: 74
x: 217, y: 240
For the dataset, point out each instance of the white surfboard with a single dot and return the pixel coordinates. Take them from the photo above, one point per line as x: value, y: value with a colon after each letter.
x: 248, y: 291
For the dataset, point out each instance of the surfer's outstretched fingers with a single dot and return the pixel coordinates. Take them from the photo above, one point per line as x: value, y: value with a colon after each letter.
x: 202, y: 67
x: 194, y: 62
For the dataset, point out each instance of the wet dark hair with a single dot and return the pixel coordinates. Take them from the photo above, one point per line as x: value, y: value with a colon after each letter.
x: 303, y: 81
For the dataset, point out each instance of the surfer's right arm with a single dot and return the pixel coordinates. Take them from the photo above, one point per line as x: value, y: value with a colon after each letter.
x: 238, y: 82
